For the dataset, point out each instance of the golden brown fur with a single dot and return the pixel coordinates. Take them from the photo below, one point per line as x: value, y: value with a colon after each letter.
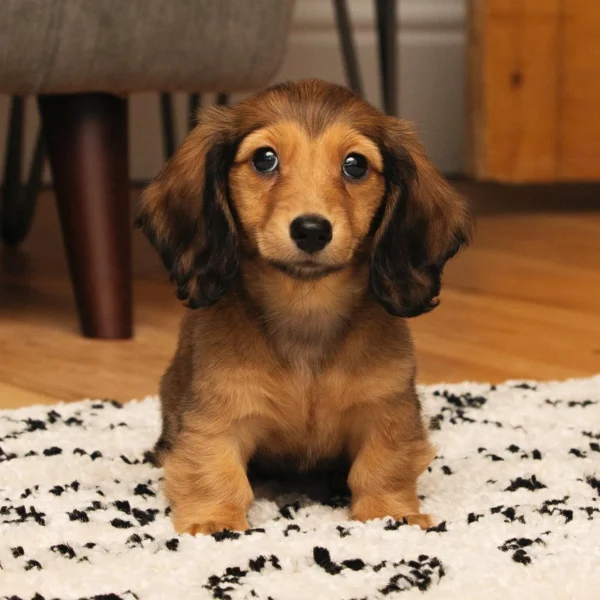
x: 295, y: 356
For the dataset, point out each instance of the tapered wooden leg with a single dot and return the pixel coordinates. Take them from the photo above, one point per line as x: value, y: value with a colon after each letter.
x: 86, y: 137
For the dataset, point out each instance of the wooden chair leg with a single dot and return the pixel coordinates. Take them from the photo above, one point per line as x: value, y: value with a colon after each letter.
x: 86, y: 137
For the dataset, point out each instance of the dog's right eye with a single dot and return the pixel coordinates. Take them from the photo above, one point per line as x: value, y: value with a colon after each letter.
x: 265, y: 160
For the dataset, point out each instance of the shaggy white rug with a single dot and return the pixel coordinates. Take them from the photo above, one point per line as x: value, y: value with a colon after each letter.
x: 516, y: 487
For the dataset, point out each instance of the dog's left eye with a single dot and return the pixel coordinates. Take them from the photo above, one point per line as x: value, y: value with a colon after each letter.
x: 355, y: 166
x: 265, y: 160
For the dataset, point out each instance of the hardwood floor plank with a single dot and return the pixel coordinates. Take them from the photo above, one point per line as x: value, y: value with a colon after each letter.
x: 12, y: 396
x: 522, y: 302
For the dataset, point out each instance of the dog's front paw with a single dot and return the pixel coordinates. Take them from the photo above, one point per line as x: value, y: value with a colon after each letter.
x: 206, y: 526
x: 368, y: 509
x: 424, y: 521
x: 209, y: 527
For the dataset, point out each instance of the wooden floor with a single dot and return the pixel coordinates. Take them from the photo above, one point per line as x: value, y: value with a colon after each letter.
x: 522, y: 302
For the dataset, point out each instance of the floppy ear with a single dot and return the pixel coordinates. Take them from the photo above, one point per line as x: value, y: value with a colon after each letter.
x: 186, y: 213
x: 422, y: 223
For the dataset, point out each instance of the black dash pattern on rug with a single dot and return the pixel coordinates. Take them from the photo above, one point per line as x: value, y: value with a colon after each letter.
x: 514, y: 491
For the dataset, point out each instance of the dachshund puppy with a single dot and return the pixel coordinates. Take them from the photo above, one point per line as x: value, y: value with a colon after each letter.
x: 306, y: 227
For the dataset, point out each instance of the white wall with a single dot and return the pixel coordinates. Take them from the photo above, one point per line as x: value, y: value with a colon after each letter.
x: 431, y: 69
x: 432, y: 47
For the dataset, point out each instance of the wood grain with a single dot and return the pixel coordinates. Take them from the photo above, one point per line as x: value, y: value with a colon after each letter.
x: 522, y: 302
x: 580, y: 91
x: 534, y: 89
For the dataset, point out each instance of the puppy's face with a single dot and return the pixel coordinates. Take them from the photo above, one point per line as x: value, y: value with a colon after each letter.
x: 305, y: 201
x: 309, y: 178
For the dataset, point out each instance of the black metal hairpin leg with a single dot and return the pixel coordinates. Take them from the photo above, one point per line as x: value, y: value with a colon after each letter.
x: 388, y: 52
x: 168, y: 125
x: 17, y: 203
x: 348, y: 49
x: 194, y: 102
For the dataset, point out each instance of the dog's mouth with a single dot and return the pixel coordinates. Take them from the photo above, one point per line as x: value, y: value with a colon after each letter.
x: 306, y: 270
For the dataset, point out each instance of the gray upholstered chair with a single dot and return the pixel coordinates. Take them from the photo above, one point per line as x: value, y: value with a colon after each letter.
x: 81, y: 58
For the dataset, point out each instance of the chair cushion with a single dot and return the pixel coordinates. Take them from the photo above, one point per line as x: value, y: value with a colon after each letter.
x: 64, y: 46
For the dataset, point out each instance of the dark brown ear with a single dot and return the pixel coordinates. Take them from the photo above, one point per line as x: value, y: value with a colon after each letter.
x: 422, y: 223
x: 186, y: 213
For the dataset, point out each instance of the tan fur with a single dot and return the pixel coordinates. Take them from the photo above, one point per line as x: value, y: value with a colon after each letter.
x: 281, y: 367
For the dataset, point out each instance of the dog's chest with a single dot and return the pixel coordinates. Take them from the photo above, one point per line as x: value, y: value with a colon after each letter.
x: 306, y: 414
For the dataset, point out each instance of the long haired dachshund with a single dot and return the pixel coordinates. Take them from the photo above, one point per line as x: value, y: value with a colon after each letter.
x: 307, y: 226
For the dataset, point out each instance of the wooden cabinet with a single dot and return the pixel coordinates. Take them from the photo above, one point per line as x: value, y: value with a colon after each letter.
x: 534, y: 90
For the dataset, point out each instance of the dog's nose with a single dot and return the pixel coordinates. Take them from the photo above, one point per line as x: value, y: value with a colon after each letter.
x: 311, y: 232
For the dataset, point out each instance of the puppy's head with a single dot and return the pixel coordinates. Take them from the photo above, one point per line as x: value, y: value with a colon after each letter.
x: 310, y: 179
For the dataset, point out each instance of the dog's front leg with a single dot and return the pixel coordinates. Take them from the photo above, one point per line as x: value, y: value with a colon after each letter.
x: 206, y: 483
x: 383, y: 477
